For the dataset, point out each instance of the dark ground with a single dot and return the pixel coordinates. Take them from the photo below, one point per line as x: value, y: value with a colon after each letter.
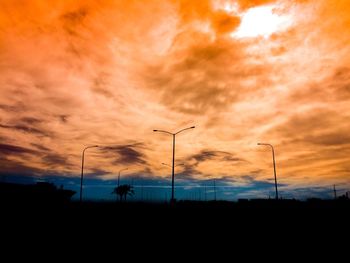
x: 182, y: 213
x: 164, y: 231
x: 43, y: 216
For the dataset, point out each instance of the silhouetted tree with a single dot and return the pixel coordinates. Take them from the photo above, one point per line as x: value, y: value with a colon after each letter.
x: 123, y: 191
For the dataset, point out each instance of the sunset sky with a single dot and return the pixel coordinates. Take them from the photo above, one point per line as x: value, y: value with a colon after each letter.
x: 78, y: 73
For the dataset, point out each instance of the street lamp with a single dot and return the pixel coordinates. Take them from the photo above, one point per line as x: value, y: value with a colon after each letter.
x: 173, y: 163
x: 274, y: 165
x: 82, y: 171
x: 119, y: 174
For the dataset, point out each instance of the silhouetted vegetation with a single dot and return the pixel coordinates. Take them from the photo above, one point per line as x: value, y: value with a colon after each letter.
x: 123, y: 191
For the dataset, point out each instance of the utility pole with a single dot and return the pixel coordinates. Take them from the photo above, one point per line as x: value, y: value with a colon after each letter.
x: 335, y: 192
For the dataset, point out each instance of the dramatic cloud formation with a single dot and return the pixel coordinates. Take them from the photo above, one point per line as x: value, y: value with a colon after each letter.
x: 78, y: 73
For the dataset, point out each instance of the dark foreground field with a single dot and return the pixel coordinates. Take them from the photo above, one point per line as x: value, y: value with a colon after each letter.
x: 184, y: 213
x: 180, y: 227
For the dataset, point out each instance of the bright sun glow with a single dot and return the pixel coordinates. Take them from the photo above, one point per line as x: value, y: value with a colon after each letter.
x: 261, y: 21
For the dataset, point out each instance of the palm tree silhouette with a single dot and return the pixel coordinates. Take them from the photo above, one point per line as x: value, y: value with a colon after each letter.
x: 123, y: 191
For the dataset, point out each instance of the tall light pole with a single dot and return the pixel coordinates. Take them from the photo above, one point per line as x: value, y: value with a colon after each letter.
x: 119, y: 174
x: 173, y: 163
x: 274, y: 165
x: 82, y: 171
x: 165, y: 164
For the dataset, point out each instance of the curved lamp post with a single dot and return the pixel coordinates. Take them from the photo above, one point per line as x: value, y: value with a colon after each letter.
x: 173, y: 163
x: 274, y: 165
x: 82, y: 171
x: 119, y: 174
